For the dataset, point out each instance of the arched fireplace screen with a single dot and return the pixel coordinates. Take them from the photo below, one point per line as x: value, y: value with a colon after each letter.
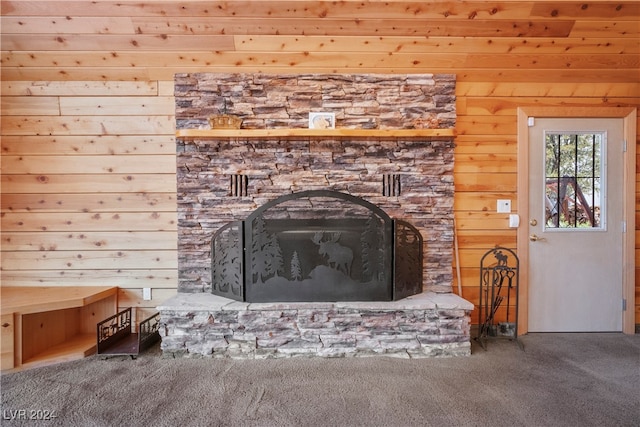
x: 317, y: 245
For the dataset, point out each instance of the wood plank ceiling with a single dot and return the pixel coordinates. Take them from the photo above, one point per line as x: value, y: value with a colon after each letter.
x: 513, y: 40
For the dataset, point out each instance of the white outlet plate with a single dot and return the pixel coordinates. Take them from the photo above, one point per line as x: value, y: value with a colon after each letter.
x: 146, y: 294
x: 504, y: 206
x: 514, y: 221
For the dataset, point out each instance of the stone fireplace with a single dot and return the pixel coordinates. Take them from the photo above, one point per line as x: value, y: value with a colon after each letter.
x: 396, y: 164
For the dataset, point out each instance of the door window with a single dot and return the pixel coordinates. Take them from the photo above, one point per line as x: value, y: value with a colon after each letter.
x: 574, y: 181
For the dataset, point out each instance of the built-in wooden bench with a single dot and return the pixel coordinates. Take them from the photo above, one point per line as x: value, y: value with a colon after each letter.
x: 44, y: 325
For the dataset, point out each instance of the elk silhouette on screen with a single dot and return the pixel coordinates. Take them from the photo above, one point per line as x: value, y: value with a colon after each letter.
x: 338, y: 257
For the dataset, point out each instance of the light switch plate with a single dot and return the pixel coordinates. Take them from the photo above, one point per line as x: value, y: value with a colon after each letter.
x: 146, y: 294
x: 504, y: 206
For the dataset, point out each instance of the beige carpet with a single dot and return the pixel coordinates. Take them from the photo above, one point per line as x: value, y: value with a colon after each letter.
x: 559, y: 380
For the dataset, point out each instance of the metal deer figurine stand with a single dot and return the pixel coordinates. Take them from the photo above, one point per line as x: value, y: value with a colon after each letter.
x: 498, y: 305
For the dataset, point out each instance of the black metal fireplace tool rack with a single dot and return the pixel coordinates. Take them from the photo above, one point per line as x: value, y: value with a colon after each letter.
x: 498, y: 302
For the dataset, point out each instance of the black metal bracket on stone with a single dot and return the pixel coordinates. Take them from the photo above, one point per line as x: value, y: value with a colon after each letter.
x: 317, y: 245
x: 498, y: 300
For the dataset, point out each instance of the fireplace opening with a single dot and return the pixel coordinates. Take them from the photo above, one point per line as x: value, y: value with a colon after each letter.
x: 317, y: 245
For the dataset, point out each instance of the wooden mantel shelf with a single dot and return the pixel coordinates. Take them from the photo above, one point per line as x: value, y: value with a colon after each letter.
x: 318, y: 133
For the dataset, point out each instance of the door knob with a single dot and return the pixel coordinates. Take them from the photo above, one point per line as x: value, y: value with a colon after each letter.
x: 535, y: 238
x: 533, y: 222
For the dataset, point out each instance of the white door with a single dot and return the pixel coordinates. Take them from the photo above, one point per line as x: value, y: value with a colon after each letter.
x: 575, y: 225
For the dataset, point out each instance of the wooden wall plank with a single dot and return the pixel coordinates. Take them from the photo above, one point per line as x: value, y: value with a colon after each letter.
x: 113, y: 202
x: 571, y: 61
x: 88, y: 125
x: 279, y: 9
x: 462, y: 74
x: 112, y: 106
x: 103, y: 42
x: 503, y: 182
x: 166, y: 279
x: 467, y: 61
x: 487, y: 163
x: 485, y: 125
x: 99, y: 221
x: 615, y: 11
x: 69, y: 59
x: 67, y: 24
x: 78, y: 88
x: 384, y: 26
x: 502, y: 45
x: 593, y: 28
x: 561, y: 89
x: 89, y: 240
x: 252, y: 44
x: 89, y: 260
x: 165, y: 88
x: 80, y: 145
x: 486, y: 239
x: 509, y: 105
x: 116, y: 164
x: 89, y: 183
x: 486, y: 144
x: 19, y: 106
x: 79, y: 74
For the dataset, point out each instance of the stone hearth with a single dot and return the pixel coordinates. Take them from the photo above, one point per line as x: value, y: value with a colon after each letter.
x: 424, y: 325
